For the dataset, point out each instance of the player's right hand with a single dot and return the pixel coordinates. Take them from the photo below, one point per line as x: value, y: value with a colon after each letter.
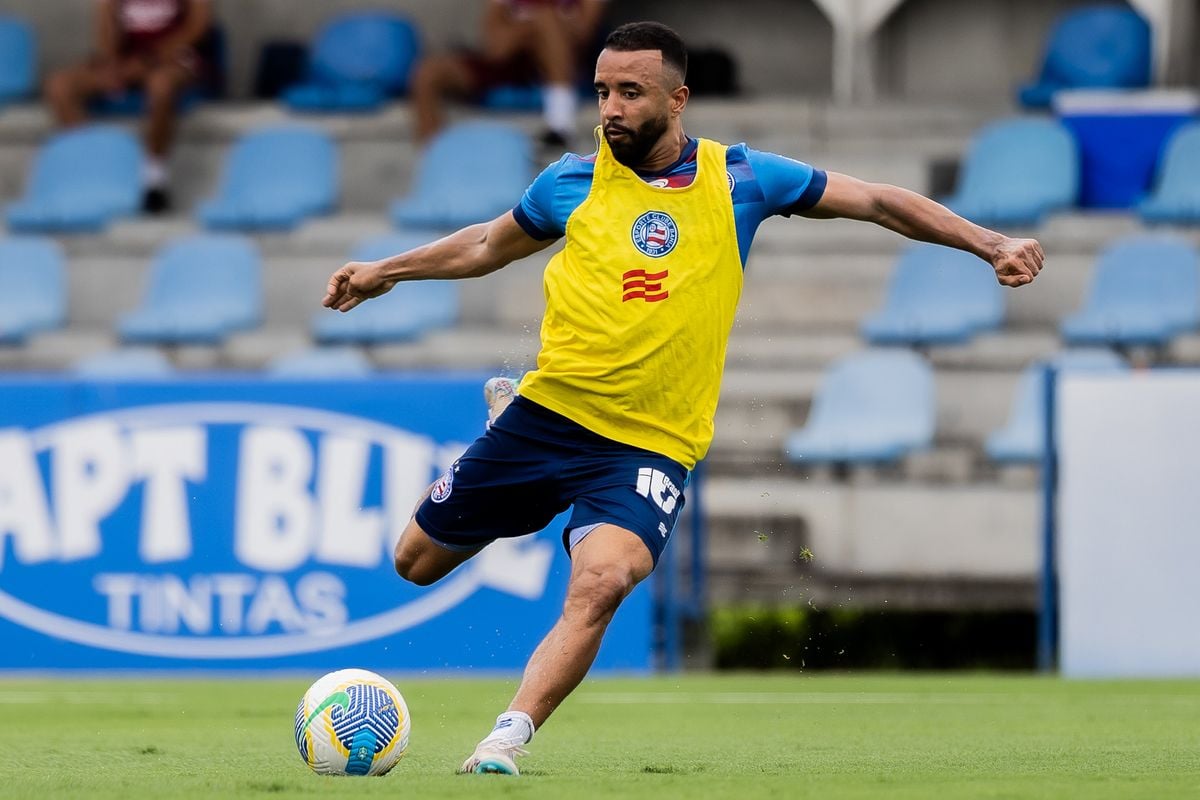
x: 355, y: 282
x: 1017, y: 261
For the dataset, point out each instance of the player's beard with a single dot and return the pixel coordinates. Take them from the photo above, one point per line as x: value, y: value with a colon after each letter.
x: 636, y: 144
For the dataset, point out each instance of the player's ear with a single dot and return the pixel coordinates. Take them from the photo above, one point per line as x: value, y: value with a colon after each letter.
x: 679, y: 99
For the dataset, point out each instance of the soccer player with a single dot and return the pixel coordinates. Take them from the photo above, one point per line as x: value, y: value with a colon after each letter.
x: 639, y: 306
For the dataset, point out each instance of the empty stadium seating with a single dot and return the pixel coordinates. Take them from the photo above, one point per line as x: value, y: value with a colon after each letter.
x: 201, y: 289
x: 1176, y: 197
x: 321, y: 363
x: 356, y: 62
x: 405, y: 313
x: 125, y: 363
x: 80, y: 180
x: 18, y: 60
x: 35, y: 288
x: 937, y: 295
x: 1016, y: 172
x: 470, y: 173
x: 1145, y: 291
x: 273, y: 179
x: 871, y: 407
x: 1022, y: 438
x: 1101, y: 47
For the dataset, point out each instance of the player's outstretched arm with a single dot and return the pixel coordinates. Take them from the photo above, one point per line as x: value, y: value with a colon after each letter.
x: 469, y: 253
x: 1016, y: 261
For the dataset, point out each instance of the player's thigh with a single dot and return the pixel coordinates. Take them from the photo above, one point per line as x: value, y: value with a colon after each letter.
x: 640, y: 492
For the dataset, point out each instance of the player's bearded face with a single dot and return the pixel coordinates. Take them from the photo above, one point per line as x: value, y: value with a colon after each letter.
x: 631, y: 145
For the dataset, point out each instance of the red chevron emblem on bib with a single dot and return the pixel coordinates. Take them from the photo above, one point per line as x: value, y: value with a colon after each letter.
x: 641, y: 285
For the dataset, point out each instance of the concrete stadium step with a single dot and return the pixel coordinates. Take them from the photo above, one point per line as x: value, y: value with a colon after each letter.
x: 907, y: 528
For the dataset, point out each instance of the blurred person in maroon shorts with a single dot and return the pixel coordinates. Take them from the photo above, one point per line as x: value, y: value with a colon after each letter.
x: 524, y: 42
x: 147, y: 44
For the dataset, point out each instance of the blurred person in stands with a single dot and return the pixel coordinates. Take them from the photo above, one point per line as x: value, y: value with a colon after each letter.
x: 146, y: 44
x: 639, y: 307
x: 524, y: 42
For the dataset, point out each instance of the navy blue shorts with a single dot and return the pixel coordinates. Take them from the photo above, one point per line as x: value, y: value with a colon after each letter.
x: 533, y: 464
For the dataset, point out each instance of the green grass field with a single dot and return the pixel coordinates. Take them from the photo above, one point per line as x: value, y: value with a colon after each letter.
x: 729, y: 736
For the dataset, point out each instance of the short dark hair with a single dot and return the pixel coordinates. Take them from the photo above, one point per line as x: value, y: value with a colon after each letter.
x: 650, y: 36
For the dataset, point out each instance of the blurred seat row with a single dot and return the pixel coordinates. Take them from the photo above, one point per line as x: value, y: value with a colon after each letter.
x: 1018, y: 171
x: 273, y: 179
x: 1145, y: 292
x: 878, y: 406
x: 202, y: 289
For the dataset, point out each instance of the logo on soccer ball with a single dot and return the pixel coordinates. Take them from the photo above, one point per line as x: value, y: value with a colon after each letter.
x: 443, y: 485
x: 655, y: 234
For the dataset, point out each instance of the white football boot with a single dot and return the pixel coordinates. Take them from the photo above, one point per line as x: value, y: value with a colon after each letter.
x: 493, y: 758
x: 498, y: 393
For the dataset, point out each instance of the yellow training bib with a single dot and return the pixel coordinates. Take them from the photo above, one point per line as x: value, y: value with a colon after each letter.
x: 639, y: 306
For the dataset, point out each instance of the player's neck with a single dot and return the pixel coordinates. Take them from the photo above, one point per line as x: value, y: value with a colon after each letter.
x: 665, y: 152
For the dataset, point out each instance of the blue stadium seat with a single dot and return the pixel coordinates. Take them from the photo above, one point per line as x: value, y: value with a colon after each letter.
x: 1020, y: 440
x: 80, y: 181
x: 937, y: 295
x: 1099, y: 47
x: 471, y: 172
x: 403, y: 314
x: 356, y: 62
x: 201, y: 289
x: 124, y: 363
x: 18, y: 60
x: 321, y: 363
x: 1016, y: 172
x: 35, y: 295
x: 1145, y: 291
x: 274, y: 179
x: 874, y: 406
x: 1176, y: 198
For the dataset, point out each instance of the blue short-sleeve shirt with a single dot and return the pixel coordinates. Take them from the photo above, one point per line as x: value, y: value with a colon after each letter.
x: 763, y: 185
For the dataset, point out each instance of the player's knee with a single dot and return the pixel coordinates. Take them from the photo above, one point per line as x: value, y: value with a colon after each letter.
x: 407, y: 562
x: 596, y: 592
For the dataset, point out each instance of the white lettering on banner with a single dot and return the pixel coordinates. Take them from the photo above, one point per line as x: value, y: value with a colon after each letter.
x: 168, y: 604
x: 274, y: 526
x: 299, y: 488
x: 90, y: 476
x: 166, y: 459
x: 231, y: 591
x: 348, y: 535
x: 24, y: 514
x: 119, y: 590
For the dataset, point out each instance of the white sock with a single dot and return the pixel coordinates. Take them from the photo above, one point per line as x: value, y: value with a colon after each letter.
x: 154, y: 173
x: 512, y: 727
x: 560, y: 103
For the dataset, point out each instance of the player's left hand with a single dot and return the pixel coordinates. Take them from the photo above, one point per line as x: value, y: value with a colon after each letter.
x: 1017, y: 261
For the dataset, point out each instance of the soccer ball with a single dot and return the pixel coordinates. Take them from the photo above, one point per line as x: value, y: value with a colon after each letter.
x: 352, y: 722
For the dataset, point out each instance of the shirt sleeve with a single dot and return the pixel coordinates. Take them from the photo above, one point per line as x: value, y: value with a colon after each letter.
x: 788, y: 186
x: 535, y: 212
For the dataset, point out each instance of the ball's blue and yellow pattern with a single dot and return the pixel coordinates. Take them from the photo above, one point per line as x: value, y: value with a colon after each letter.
x: 352, y: 722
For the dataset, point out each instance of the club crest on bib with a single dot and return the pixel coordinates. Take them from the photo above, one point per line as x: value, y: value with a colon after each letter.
x: 655, y: 234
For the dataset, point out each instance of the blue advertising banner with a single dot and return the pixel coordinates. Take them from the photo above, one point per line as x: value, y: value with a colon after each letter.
x: 232, y: 523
